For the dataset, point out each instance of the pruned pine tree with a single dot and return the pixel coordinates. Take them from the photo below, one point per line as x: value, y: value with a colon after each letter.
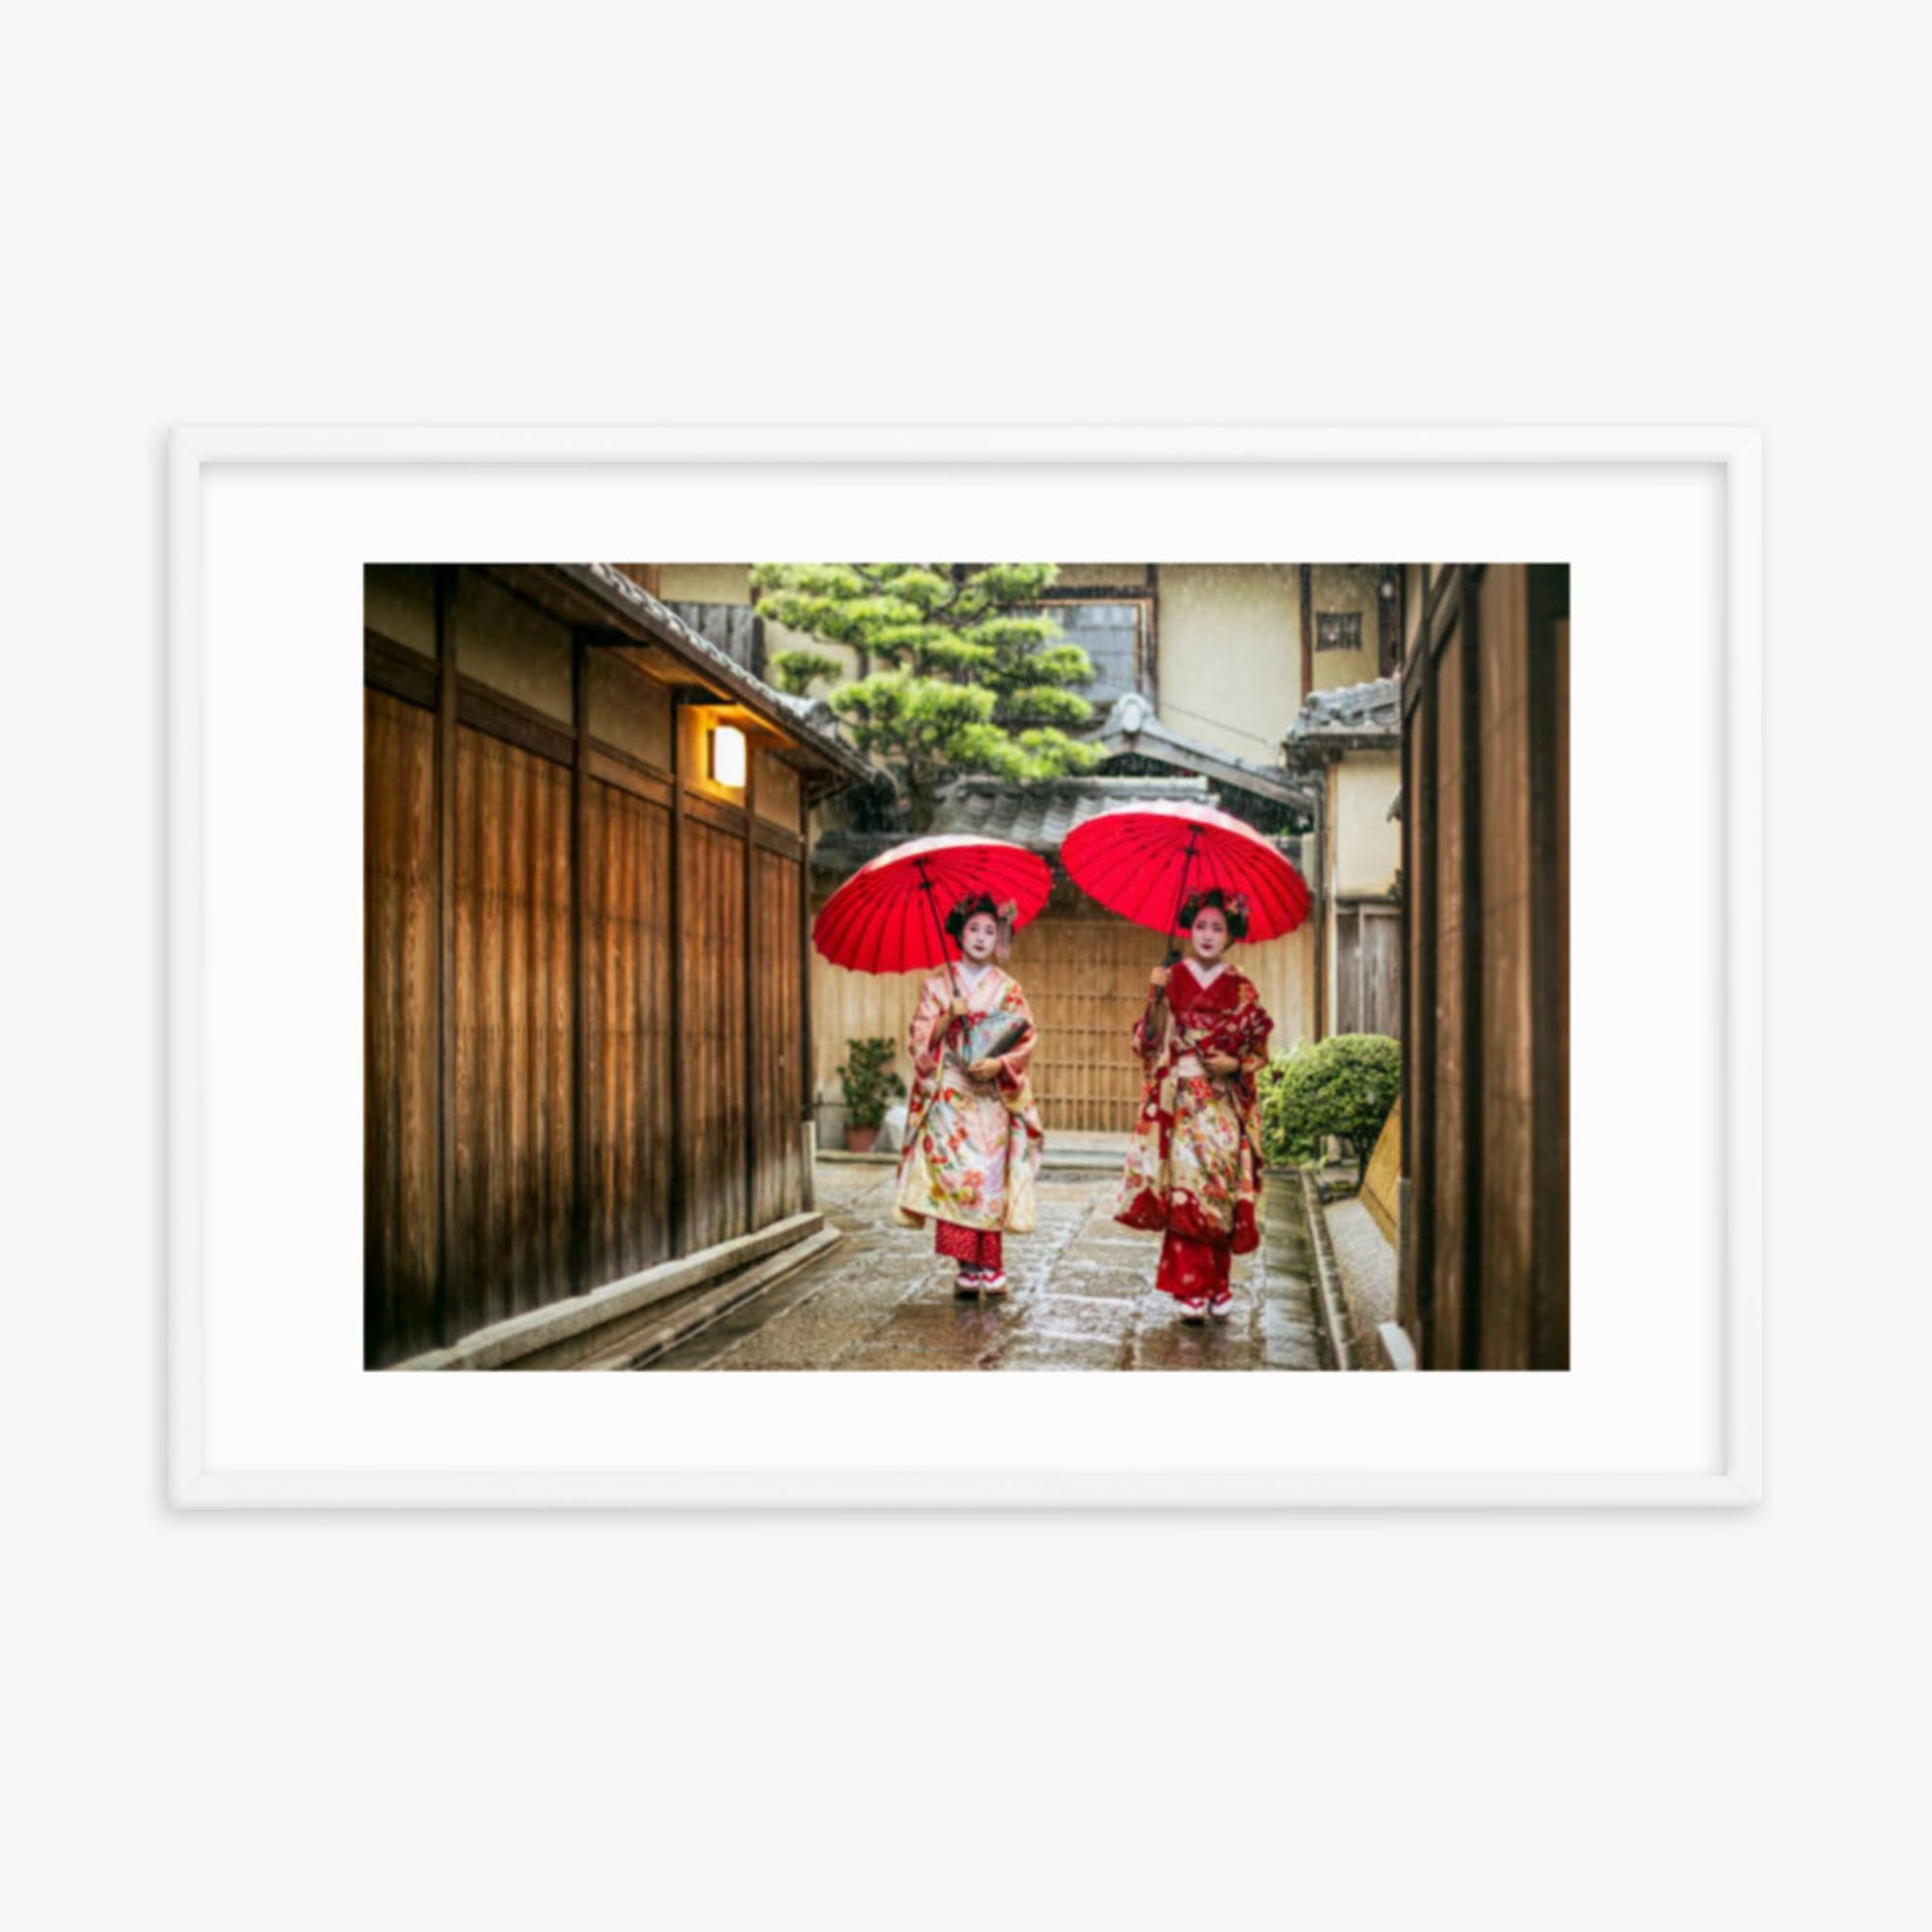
x: 954, y: 674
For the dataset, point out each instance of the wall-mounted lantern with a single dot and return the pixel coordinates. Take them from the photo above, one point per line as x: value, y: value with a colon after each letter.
x: 727, y: 756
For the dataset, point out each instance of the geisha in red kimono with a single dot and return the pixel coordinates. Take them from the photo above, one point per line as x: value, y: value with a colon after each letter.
x: 1194, y: 1162
x: 971, y: 1131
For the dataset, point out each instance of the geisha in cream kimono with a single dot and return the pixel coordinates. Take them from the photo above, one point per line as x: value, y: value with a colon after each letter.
x: 1194, y: 1160
x: 971, y: 1131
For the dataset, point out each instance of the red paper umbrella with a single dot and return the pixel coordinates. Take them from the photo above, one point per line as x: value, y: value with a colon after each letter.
x: 890, y: 915
x: 1144, y: 861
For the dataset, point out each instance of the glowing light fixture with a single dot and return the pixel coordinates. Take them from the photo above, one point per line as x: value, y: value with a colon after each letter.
x: 728, y: 756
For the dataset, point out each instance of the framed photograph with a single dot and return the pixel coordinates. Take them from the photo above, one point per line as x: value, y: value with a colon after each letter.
x: 1242, y: 1028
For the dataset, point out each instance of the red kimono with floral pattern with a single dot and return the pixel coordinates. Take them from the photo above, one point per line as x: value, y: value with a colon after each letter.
x: 1194, y: 1162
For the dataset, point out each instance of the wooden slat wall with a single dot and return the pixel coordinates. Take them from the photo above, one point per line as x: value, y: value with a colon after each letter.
x: 850, y: 1006
x: 1451, y: 1092
x: 399, y: 1019
x: 627, y: 1047
x: 475, y: 1031
x: 1368, y: 970
x: 1505, y: 1178
x: 1086, y: 980
x: 778, y: 1183
x: 1485, y: 871
x: 1416, y: 1283
x: 711, y: 935
x: 1550, y: 955
x: 514, y: 1141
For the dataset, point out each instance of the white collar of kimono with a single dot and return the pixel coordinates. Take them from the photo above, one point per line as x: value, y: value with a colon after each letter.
x: 973, y: 974
x: 1206, y: 975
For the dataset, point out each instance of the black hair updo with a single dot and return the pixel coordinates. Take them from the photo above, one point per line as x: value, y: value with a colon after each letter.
x: 1235, y: 914
x: 970, y: 907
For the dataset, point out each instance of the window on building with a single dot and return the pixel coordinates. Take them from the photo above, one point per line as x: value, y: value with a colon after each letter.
x: 1337, y: 630
x: 1114, y: 636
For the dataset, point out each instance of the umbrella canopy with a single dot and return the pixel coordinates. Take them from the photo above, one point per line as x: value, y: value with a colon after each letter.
x: 890, y: 915
x: 1144, y: 861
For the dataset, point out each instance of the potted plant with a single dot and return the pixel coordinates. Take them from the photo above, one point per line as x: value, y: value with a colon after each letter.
x: 870, y: 1086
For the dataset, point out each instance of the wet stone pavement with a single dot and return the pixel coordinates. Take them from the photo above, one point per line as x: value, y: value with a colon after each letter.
x: 1081, y: 1296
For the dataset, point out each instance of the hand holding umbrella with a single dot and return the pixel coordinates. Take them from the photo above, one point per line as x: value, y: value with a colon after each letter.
x: 887, y: 918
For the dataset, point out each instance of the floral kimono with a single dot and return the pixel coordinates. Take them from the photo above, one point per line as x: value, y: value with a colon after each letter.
x: 1194, y: 1162
x: 972, y: 1147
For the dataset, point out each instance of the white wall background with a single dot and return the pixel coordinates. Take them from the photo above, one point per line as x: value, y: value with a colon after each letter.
x: 1667, y: 213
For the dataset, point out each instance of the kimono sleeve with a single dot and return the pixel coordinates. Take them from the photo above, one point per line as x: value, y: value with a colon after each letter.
x: 1012, y: 1064
x: 1258, y: 1025
x: 929, y: 1027
x: 1151, y: 1030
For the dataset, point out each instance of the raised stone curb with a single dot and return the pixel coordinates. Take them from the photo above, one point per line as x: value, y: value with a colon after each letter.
x: 543, y: 1332
x: 1327, y: 1277
x: 643, y: 1346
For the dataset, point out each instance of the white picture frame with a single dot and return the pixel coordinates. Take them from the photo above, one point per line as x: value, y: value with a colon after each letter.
x: 259, y: 1416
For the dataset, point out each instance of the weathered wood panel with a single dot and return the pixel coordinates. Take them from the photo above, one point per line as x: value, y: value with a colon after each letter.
x: 1549, y: 949
x: 1447, y: 1204
x: 778, y: 1180
x: 522, y: 921
x: 1417, y: 1282
x: 1369, y: 969
x: 712, y: 1070
x: 849, y: 1006
x: 399, y: 1020
x: 737, y: 629
x: 780, y: 790
x: 1505, y: 1189
x: 1485, y: 1263
x: 1086, y: 980
x: 513, y: 1134
x: 628, y: 1042
x: 628, y: 711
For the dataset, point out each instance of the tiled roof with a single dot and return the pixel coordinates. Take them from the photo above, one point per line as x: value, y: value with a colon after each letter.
x: 1040, y: 815
x: 814, y: 721
x: 1037, y: 815
x: 1354, y: 714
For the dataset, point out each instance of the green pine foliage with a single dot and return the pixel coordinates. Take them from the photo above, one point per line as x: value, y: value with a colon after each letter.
x: 952, y: 676
x: 1345, y: 1087
x: 798, y: 670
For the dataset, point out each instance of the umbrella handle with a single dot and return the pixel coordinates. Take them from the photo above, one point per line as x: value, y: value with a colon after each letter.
x: 939, y: 933
x: 1174, y: 951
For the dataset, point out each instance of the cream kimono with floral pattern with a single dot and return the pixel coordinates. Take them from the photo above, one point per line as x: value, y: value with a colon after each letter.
x: 972, y: 1147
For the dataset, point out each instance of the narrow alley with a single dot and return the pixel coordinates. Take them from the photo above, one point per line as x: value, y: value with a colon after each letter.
x: 1082, y: 1296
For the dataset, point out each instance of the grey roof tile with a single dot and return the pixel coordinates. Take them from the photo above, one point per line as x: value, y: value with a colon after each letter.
x: 1037, y: 815
x: 1354, y: 712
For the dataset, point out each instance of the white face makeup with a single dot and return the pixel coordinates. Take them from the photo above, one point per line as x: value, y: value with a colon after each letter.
x: 979, y: 938
x: 1208, y: 934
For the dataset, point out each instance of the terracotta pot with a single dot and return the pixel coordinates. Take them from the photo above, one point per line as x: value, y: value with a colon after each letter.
x: 859, y: 1140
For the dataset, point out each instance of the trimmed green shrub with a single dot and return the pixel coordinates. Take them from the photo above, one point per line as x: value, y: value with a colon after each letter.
x: 868, y: 1081
x: 1344, y: 1085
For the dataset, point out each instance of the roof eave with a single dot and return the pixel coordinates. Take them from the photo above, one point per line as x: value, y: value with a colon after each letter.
x: 1150, y: 739
x: 1322, y: 746
x: 633, y: 608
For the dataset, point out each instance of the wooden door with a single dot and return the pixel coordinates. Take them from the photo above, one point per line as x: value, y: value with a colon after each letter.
x: 1485, y: 873
x: 1086, y: 980
x: 400, y: 1015
x: 513, y: 1087
x: 1368, y: 968
x: 626, y: 1033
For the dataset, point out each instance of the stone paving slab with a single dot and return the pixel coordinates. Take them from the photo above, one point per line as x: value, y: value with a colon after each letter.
x: 1082, y: 1298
